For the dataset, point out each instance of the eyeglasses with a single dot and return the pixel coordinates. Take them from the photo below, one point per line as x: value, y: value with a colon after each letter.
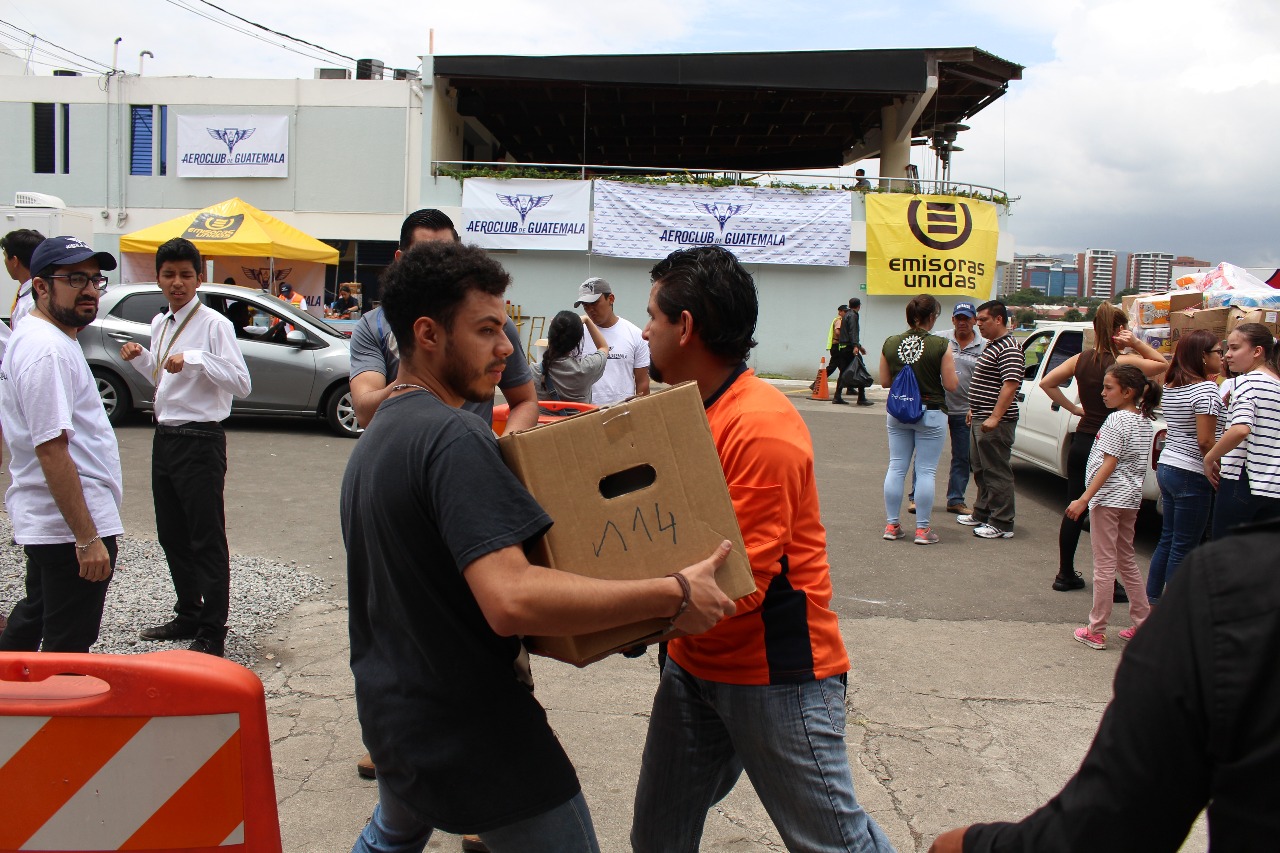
x: 1212, y: 351
x: 81, y: 280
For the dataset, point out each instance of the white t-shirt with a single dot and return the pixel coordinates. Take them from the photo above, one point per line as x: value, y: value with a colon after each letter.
x: 628, y: 351
x: 22, y: 307
x: 1256, y: 402
x: 1127, y: 436
x: 45, y: 389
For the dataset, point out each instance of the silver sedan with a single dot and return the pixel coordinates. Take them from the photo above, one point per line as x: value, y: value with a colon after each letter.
x: 299, y: 365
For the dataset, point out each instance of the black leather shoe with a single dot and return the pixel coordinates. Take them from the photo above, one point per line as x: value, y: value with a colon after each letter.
x: 840, y: 402
x: 1118, y: 595
x: 865, y: 403
x: 207, y: 645
x: 175, y: 629
x: 1066, y: 583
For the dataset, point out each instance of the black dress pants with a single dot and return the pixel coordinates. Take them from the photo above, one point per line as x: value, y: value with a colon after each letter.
x: 61, y: 608
x: 188, y: 476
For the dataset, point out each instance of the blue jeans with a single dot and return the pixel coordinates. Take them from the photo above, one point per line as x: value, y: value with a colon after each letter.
x: 1236, y: 504
x: 1187, y: 497
x: 565, y: 829
x: 924, y: 439
x: 788, y: 737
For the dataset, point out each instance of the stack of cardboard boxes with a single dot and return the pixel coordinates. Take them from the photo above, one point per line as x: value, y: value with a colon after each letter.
x: 1162, y: 318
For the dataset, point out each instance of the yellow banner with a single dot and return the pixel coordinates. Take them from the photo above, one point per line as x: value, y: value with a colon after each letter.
x: 935, y: 244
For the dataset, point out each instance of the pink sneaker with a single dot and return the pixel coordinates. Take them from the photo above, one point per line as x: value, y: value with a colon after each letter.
x: 1093, y: 641
x: 894, y: 531
x: 926, y: 536
x: 1127, y: 634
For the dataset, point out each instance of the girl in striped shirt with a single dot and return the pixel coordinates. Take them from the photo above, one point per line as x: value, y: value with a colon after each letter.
x: 1117, y: 465
x: 1245, y: 463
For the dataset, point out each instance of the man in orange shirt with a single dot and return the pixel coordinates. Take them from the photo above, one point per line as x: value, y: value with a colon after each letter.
x: 764, y: 690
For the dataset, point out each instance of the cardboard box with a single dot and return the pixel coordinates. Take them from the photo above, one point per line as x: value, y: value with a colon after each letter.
x: 1126, y: 302
x: 1154, y: 308
x: 636, y: 491
x: 1214, y: 320
x: 1268, y: 318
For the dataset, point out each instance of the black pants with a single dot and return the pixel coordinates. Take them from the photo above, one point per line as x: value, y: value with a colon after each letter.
x: 1069, y: 531
x: 61, y: 608
x: 833, y: 363
x: 844, y: 357
x: 188, y: 475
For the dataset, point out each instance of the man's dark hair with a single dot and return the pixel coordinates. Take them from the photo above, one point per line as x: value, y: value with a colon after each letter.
x: 21, y: 244
x: 842, y: 307
x: 432, y: 280
x: 229, y: 280
x: 996, y: 308
x: 177, y: 250
x: 855, y: 302
x: 429, y: 218
x: 718, y: 293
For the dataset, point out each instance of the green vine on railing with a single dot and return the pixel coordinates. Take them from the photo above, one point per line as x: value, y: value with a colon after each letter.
x: 695, y: 179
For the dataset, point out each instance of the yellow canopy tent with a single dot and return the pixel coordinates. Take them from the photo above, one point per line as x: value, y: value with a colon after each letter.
x: 244, y: 243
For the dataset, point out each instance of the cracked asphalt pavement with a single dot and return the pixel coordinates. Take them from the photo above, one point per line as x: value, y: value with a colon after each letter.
x: 968, y: 699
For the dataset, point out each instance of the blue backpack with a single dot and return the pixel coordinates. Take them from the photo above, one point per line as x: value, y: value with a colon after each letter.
x: 905, y: 403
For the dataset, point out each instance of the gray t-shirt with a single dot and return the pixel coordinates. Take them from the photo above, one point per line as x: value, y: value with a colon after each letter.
x: 455, y: 732
x: 373, y: 348
x: 571, y: 377
x: 965, y: 358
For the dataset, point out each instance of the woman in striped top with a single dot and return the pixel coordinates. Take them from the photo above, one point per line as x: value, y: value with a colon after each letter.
x: 1245, y: 463
x: 1191, y: 405
x: 1116, y: 469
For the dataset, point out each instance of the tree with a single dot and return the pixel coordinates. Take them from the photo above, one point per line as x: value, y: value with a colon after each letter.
x: 1024, y: 317
x: 1128, y: 291
x: 1072, y: 316
x: 1027, y: 296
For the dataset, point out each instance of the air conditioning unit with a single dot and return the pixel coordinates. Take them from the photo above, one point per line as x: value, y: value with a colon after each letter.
x: 333, y: 73
x: 38, y: 200
x: 406, y: 74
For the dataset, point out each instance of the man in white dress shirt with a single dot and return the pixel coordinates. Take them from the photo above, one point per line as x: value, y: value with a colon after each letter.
x: 67, y: 487
x: 197, y: 368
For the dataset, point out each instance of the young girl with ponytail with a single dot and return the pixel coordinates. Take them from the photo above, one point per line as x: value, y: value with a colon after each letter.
x: 1244, y: 465
x: 1114, y: 473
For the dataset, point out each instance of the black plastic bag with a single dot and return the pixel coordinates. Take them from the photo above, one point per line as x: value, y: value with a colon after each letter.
x: 855, y: 376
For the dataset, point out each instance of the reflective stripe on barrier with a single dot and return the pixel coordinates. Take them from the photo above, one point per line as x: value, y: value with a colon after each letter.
x: 74, y: 776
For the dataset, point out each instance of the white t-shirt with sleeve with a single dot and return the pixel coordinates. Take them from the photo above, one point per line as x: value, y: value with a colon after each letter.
x: 46, y: 389
x: 628, y: 351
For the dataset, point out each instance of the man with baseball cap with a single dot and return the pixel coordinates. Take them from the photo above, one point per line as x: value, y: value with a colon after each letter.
x: 67, y: 485
x: 627, y: 372
x: 966, y: 346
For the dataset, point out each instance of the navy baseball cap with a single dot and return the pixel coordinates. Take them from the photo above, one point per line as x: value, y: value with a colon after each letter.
x: 964, y: 309
x: 284, y: 288
x: 66, y: 251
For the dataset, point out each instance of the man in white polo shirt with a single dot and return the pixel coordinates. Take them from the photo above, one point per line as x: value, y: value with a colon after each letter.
x: 196, y: 366
x: 627, y: 372
x: 67, y: 485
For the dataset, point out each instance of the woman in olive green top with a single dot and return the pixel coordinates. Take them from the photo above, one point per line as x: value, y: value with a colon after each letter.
x: 931, y: 360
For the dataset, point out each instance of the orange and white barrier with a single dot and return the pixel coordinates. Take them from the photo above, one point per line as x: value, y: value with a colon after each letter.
x: 165, y: 751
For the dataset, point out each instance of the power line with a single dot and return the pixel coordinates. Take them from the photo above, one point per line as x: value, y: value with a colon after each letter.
x: 227, y: 24
x: 277, y: 32
x: 64, y: 50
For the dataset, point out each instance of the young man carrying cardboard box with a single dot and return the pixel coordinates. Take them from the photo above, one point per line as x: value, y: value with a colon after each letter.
x: 764, y: 690
x: 439, y: 587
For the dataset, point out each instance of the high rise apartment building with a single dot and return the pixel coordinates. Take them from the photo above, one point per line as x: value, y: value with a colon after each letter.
x: 1150, y: 272
x: 1097, y: 273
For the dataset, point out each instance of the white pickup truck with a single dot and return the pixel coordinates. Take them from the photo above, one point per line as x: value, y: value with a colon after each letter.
x: 1044, y: 428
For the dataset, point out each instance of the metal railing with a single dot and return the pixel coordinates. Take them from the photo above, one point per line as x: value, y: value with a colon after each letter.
x: 723, y: 177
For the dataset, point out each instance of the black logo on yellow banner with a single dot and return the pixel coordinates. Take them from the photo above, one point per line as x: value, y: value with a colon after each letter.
x: 942, y: 228
x: 211, y: 226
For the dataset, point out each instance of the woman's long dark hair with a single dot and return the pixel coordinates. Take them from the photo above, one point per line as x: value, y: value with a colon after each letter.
x: 1187, y: 367
x: 563, y: 337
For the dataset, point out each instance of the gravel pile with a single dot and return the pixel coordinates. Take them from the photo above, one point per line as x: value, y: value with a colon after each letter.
x: 141, y: 594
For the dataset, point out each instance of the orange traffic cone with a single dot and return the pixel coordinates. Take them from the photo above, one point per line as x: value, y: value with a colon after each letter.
x: 820, y: 391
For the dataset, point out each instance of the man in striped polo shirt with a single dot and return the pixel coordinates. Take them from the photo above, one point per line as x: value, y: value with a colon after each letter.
x: 993, y: 417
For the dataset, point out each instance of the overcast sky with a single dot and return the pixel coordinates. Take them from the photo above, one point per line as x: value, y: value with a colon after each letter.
x: 1139, y: 125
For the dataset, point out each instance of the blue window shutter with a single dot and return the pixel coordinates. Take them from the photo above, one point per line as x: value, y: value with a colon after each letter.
x: 140, y: 148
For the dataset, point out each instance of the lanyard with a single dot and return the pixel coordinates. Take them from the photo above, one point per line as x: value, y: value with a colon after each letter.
x: 155, y: 371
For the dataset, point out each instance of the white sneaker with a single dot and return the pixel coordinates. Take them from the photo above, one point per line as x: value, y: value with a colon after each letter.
x: 987, y: 531
x: 968, y: 521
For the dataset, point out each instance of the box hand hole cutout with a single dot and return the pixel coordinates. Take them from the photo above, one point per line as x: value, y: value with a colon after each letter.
x: 627, y: 481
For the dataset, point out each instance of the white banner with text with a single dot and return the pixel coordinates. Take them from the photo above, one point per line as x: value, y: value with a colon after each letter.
x: 234, y: 146
x: 525, y: 213
x: 758, y: 224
